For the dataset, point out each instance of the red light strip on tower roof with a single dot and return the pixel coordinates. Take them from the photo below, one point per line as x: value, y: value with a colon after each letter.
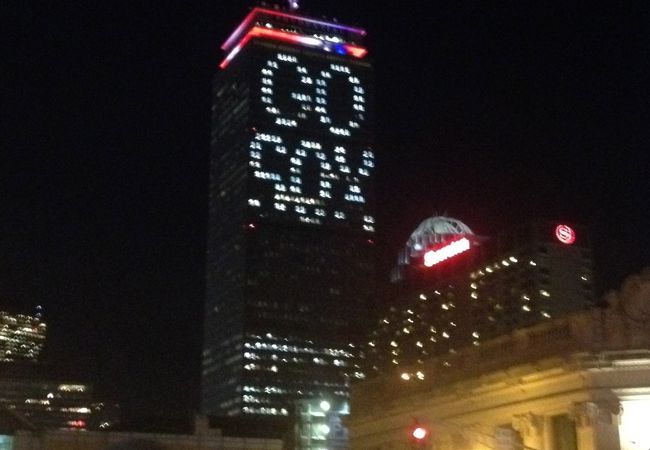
x: 234, y: 37
x: 293, y: 38
x: 433, y: 257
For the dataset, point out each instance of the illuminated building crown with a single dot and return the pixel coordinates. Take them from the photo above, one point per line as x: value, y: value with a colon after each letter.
x: 435, y: 230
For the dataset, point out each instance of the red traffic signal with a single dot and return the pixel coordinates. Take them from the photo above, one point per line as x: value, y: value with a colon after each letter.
x: 419, y: 433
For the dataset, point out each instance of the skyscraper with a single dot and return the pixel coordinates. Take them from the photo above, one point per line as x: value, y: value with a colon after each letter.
x: 290, y: 258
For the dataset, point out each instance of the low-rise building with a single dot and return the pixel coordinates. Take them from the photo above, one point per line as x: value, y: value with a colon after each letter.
x: 203, y: 438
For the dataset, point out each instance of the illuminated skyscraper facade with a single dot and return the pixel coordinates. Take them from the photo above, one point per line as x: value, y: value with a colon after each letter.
x: 290, y: 269
x: 21, y: 337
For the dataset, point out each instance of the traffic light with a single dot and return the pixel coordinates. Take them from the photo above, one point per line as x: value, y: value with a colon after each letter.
x: 419, y: 435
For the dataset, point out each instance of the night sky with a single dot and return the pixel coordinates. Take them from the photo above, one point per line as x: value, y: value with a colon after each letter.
x: 493, y: 114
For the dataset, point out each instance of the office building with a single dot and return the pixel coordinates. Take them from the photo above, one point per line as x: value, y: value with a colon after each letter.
x: 290, y: 258
x: 21, y: 336
x: 455, y: 289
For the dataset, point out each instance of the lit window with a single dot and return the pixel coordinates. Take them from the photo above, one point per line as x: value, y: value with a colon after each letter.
x: 287, y: 58
x: 340, y: 131
x: 340, y: 68
x: 286, y: 122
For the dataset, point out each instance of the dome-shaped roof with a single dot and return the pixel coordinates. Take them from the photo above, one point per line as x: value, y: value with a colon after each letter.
x: 436, y: 229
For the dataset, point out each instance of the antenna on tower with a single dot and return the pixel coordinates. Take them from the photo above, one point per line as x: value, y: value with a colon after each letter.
x: 293, y: 4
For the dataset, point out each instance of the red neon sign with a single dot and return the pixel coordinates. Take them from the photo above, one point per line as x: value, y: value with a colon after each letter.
x: 433, y: 257
x: 230, y: 42
x: 565, y: 234
x: 292, y: 38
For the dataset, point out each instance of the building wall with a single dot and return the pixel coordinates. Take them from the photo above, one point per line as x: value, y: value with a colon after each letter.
x: 580, y: 383
x: 75, y: 440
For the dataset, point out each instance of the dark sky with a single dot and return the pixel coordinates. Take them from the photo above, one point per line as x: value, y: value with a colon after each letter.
x: 494, y: 114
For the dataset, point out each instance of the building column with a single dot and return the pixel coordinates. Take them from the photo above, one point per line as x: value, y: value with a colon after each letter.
x: 531, y: 429
x: 597, y: 425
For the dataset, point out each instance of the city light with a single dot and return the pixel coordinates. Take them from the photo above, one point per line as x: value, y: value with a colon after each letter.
x: 433, y: 257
